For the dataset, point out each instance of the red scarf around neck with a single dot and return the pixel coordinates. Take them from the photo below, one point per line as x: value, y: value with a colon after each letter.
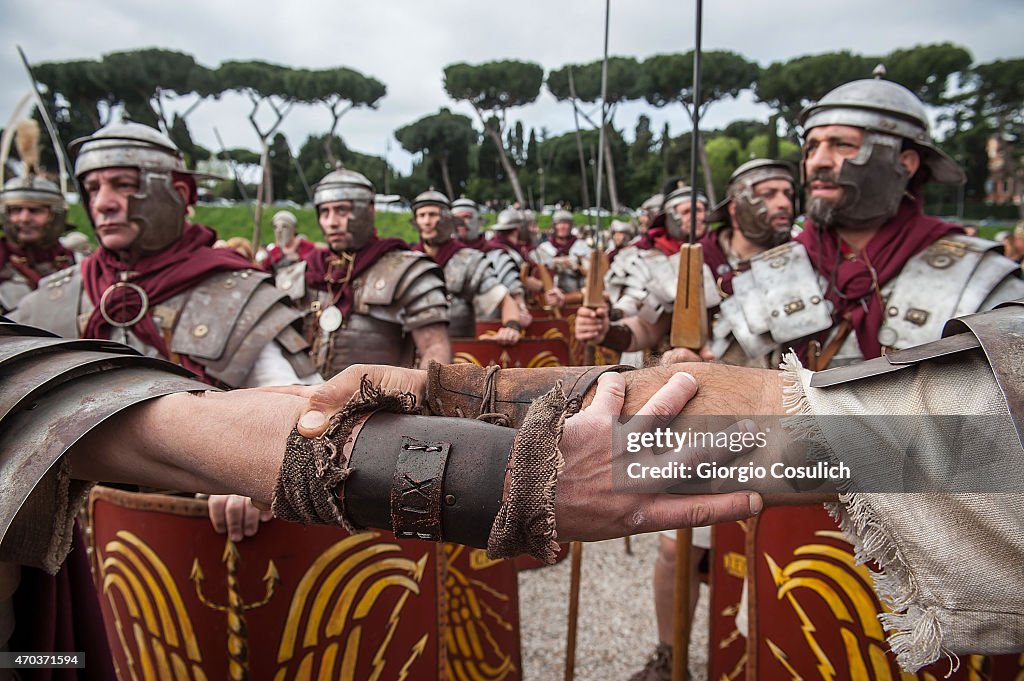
x: 501, y: 241
x: 717, y: 260
x: 325, y: 271
x: 562, y: 247
x: 849, y: 279
x: 23, y: 260
x: 444, y: 252
x: 659, y: 238
x: 164, y: 275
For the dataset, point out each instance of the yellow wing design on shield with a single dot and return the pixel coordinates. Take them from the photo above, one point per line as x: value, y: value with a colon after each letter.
x: 324, y: 632
x: 474, y: 650
x: 158, y: 639
x: 829, y: 572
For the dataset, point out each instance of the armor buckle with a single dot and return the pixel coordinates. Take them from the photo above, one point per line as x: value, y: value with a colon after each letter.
x: 916, y: 316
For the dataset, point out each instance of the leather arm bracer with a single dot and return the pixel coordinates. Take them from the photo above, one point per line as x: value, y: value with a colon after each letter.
x: 438, y: 479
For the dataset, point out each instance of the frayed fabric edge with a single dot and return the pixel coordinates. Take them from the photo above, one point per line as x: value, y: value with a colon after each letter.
x: 525, y: 523
x: 915, y: 631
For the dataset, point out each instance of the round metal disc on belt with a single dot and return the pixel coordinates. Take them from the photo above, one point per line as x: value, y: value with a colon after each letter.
x: 143, y: 298
x: 330, y: 319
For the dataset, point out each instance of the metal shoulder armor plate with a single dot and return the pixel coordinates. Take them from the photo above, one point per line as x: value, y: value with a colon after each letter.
x: 291, y: 280
x: 404, y: 287
x: 953, y: 277
x: 781, y: 295
x: 13, y: 287
x: 55, y: 304
x: 505, y: 269
x: 544, y: 254
x: 654, y: 280
x: 481, y: 288
x: 229, y: 318
x: 53, y: 391
x: 460, y: 270
x: 731, y: 323
x: 619, y: 272
x: 579, y: 248
x: 997, y: 333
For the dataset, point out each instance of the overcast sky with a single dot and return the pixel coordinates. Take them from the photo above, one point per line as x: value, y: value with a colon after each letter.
x: 406, y: 44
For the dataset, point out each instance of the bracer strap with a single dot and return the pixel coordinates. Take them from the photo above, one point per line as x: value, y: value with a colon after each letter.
x: 502, y: 395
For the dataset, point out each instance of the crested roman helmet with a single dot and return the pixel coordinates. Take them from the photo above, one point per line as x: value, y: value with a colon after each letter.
x: 343, y: 184
x: 156, y: 207
x: 32, y: 189
x: 752, y: 218
x: 673, y: 223
x: 893, y: 119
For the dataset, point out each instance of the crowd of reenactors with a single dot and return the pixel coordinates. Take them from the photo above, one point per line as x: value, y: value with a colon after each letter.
x: 866, y: 273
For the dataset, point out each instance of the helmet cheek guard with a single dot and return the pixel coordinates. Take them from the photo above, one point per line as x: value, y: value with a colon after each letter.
x: 673, y: 221
x: 753, y: 220
x: 361, y: 225
x: 873, y: 184
x: 445, y: 228
x: 158, y: 209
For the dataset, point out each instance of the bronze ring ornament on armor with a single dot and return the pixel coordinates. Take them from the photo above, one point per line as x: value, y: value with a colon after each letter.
x: 134, y: 320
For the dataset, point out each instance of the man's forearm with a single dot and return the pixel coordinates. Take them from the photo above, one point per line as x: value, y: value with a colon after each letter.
x: 432, y: 344
x: 509, y: 309
x: 211, y: 442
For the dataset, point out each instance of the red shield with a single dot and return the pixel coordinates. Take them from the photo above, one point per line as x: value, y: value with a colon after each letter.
x: 557, y: 329
x: 813, y: 611
x: 524, y: 354
x: 180, y: 601
x: 539, y: 329
x: 727, y: 656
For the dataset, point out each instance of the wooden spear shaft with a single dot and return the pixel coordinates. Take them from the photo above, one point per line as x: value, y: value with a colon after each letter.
x: 574, y: 609
x: 689, y: 329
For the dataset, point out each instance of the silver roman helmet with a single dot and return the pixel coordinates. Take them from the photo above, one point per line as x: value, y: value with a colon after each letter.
x: 157, y: 207
x: 35, y: 190
x: 752, y: 218
x: 652, y: 207
x: 446, y: 225
x: 561, y: 215
x: 285, y: 225
x: 620, y: 226
x: 673, y: 223
x: 874, y: 181
x: 431, y: 197
x: 510, y: 219
x: 348, y: 185
x: 470, y: 213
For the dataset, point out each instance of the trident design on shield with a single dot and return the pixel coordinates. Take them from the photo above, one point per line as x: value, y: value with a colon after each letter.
x: 236, y: 607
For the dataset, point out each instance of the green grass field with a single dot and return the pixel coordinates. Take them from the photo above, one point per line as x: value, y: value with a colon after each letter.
x: 236, y: 220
